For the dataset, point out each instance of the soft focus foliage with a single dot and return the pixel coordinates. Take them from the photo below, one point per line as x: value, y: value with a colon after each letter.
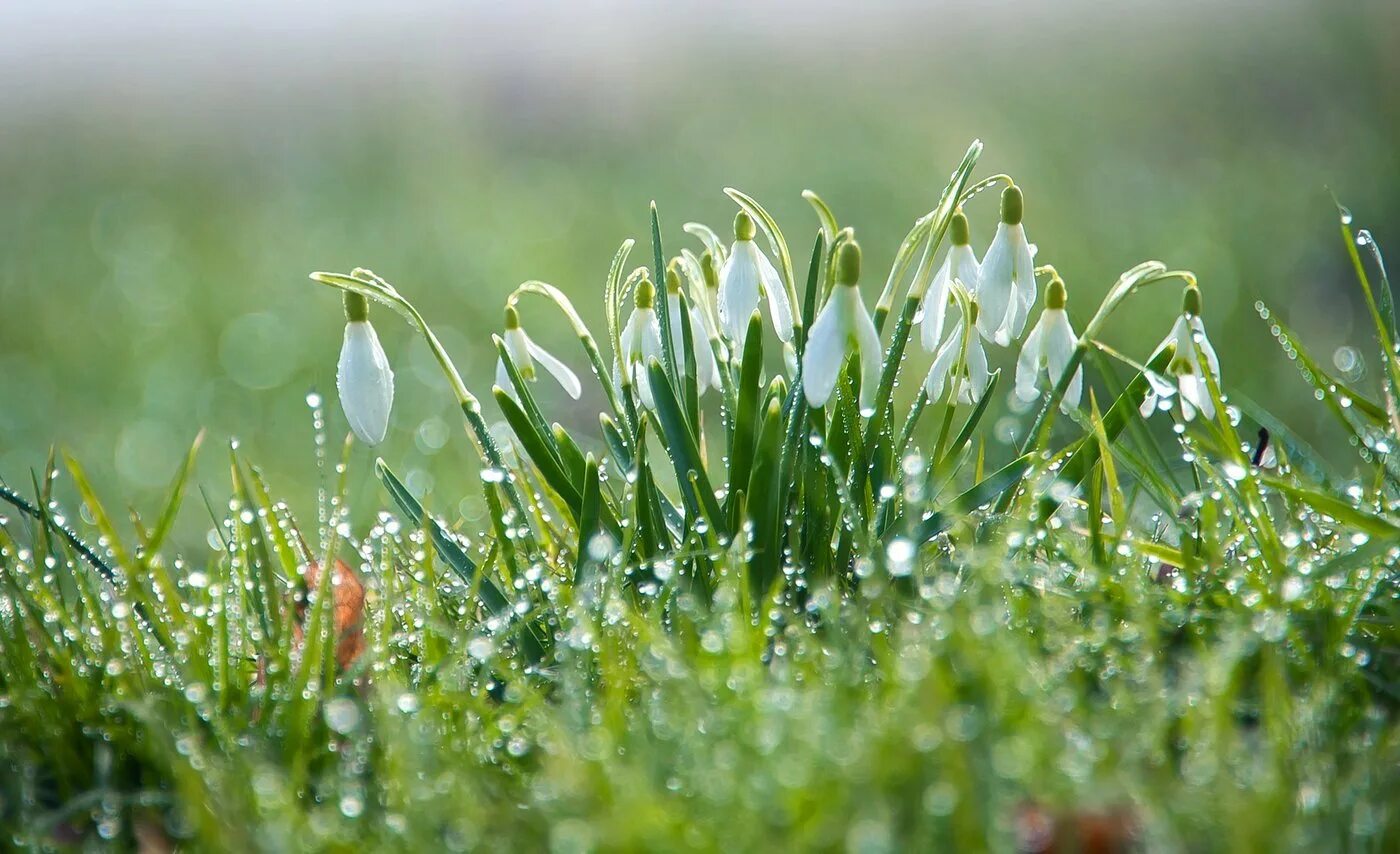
x: 155, y: 229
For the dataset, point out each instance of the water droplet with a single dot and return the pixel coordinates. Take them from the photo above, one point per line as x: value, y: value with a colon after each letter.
x: 342, y: 715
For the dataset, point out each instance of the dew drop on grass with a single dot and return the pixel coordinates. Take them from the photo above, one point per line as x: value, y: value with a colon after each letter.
x: 481, y: 648
x: 351, y: 806
x: 342, y: 715
x: 901, y: 557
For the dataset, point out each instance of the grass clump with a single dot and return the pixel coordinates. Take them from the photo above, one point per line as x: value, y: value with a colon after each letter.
x: 766, y: 604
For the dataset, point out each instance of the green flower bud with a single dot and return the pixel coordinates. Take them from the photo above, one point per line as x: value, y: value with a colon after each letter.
x: 512, y: 318
x: 1191, y: 301
x: 1055, y: 294
x: 646, y: 295
x: 707, y: 269
x: 1013, y: 205
x: 743, y: 227
x: 356, y: 307
x: 848, y: 263
x: 962, y: 234
x: 673, y: 278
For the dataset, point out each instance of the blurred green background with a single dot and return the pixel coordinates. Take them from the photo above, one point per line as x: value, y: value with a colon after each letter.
x: 167, y: 179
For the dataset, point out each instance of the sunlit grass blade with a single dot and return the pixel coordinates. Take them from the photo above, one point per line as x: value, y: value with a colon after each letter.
x: 443, y: 542
x: 682, y: 449
x: 983, y: 493
x: 1123, y: 410
x: 746, y: 415
x: 589, y: 527
x: 174, y: 495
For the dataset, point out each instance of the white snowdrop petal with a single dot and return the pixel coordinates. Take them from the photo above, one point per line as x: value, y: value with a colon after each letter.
x: 1198, y: 327
x: 779, y: 307
x: 942, y: 363
x: 935, y: 308
x: 1028, y: 364
x: 994, y: 283
x: 365, y: 382
x: 503, y: 379
x: 977, y: 372
x: 1149, y: 405
x: 825, y: 353
x: 738, y: 289
x: 871, y: 355
x: 560, y: 371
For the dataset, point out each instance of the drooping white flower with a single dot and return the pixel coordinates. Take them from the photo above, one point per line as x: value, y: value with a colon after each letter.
x: 960, y: 265
x: 706, y: 369
x: 843, y: 326
x: 970, y: 361
x: 1047, y: 351
x: 524, y: 352
x: 1188, y: 335
x: 747, y: 276
x: 707, y: 293
x: 1006, y: 285
x: 363, y: 376
x: 640, y: 341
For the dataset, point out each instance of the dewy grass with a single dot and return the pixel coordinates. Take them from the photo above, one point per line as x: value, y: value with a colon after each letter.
x: 761, y: 607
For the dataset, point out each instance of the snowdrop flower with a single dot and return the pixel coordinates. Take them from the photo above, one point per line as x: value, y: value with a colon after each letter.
x: 524, y: 352
x: 1188, y: 335
x: 1006, y: 286
x: 842, y: 326
x: 746, y: 276
x: 971, y: 381
x: 960, y: 265
x: 706, y: 370
x: 708, y: 293
x: 640, y: 341
x: 363, y: 377
x: 1047, y: 350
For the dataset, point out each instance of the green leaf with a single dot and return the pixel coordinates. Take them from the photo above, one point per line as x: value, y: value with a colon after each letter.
x: 589, y: 520
x: 682, y: 449
x: 745, y: 415
x: 764, y: 492
x: 965, y: 434
x: 983, y: 493
x: 446, y: 547
x: 663, y: 305
x: 617, y: 445
x: 526, y: 400
x: 549, y: 465
x: 1362, y: 520
x: 824, y: 214
x: 1123, y: 410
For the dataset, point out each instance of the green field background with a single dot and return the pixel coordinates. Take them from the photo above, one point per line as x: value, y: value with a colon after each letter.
x: 157, y: 221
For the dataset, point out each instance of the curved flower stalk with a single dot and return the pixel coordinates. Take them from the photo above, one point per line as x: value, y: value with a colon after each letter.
x: 641, y: 342
x: 704, y: 288
x: 843, y: 326
x: 1189, y: 337
x: 366, y: 284
x: 363, y: 376
x: 1048, y: 350
x: 961, y: 266
x: 1006, y: 288
x: 585, y: 337
x: 706, y: 369
x: 748, y: 275
x: 524, y: 352
x: 962, y: 356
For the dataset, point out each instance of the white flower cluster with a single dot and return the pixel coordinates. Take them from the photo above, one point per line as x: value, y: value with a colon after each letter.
x: 994, y: 296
